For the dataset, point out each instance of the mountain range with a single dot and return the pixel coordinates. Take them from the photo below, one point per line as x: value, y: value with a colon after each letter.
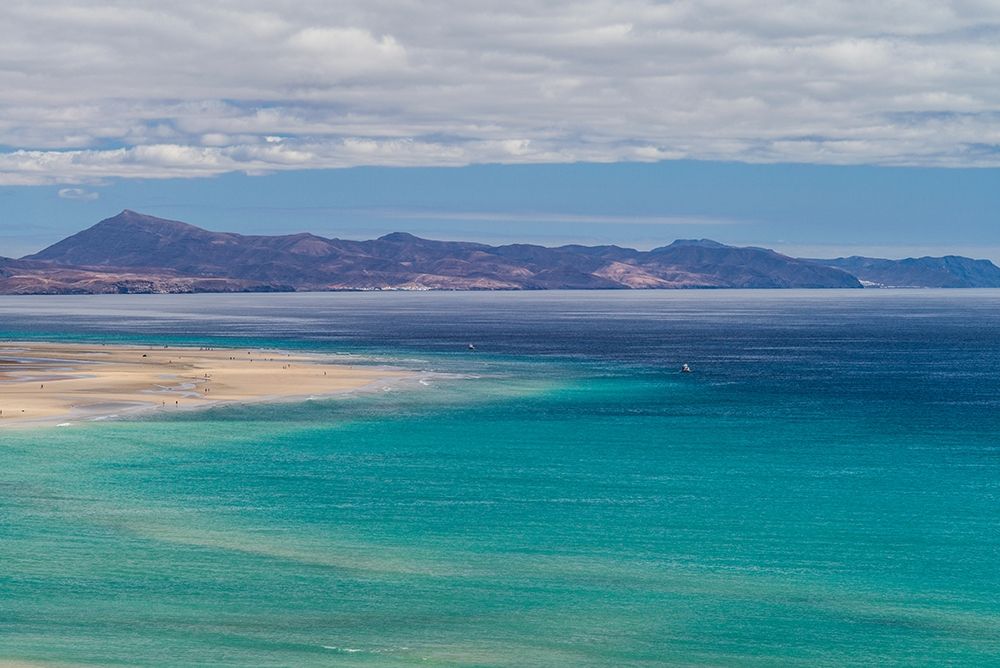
x: 137, y: 253
x: 950, y: 271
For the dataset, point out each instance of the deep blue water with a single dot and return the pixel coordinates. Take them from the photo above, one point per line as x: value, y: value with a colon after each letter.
x: 824, y: 489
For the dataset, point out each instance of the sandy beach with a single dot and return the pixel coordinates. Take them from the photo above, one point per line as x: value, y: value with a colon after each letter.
x: 51, y: 383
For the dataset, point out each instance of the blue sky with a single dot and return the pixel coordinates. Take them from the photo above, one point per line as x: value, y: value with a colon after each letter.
x: 800, y: 209
x: 818, y: 128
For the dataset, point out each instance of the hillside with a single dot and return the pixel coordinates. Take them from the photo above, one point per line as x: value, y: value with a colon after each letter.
x: 950, y: 271
x: 181, y: 255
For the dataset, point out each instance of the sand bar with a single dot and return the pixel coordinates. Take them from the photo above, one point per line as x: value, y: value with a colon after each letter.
x: 63, y: 382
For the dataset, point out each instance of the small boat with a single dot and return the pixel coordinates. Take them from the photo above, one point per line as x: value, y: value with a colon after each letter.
x: 472, y: 347
x: 685, y: 368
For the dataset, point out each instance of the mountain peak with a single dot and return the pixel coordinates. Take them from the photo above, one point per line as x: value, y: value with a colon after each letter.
x: 700, y: 243
x: 402, y: 237
x: 690, y: 243
x: 127, y: 239
x: 128, y: 217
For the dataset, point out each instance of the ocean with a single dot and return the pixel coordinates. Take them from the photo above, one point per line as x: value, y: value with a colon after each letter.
x: 822, y: 490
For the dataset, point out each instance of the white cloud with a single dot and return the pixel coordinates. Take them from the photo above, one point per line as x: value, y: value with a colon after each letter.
x: 77, y: 193
x: 116, y: 88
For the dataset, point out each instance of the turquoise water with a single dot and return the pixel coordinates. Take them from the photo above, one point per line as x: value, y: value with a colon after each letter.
x: 823, y: 490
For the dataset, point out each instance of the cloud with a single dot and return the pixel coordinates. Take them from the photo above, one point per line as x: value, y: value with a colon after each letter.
x: 108, y: 89
x: 77, y: 193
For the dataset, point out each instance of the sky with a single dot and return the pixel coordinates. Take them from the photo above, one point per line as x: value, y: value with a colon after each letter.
x: 815, y: 127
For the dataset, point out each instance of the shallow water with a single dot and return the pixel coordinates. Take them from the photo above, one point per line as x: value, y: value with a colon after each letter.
x: 823, y: 490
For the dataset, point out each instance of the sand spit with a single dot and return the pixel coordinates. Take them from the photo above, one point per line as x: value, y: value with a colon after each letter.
x: 53, y: 383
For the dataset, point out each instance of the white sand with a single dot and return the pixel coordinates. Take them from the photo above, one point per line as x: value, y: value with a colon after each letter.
x: 58, y: 382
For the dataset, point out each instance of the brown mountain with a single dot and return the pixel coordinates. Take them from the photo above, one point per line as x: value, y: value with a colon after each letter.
x: 20, y: 277
x: 950, y: 271
x: 132, y: 252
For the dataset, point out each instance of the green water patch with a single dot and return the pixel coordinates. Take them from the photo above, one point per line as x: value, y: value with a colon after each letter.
x: 508, y: 520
